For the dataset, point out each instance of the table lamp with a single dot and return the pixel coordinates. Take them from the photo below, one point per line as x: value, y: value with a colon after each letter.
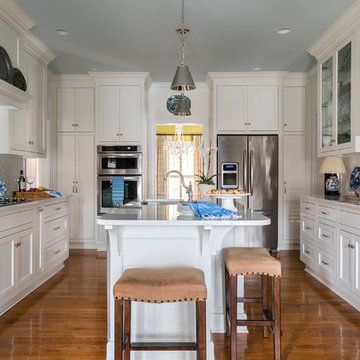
x: 331, y: 167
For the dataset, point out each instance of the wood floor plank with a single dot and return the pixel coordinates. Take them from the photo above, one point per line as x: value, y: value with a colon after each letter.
x: 65, y: 318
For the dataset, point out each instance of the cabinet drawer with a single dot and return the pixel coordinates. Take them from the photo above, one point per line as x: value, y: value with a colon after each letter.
x: 308, y: 208
x: 349, y: 218
x: 13, y: 221
x: 308, y: 227
x: 56, y: 253
x: 326, y: 264
x: 55, y: 210
x: 55, y: 229
x: 308, y: 253
x: 327, y: 235
x: 327, y: 213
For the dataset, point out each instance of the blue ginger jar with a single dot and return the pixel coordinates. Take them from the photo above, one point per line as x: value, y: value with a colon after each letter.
x: 3, y: 187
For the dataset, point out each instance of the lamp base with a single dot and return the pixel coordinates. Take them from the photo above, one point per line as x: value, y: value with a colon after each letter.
x: 332, y: 185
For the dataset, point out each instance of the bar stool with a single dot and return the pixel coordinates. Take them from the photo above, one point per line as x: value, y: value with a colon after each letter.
x: 159, y: 286
x: 244, y: 261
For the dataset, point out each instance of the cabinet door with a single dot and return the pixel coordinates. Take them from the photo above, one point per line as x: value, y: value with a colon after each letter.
x: 130, y: 109
x: 66, y: 175
x: 345, y: 261
x: 109, y: 113
x: 263, y: 108
x: 85, y: 110
x: 294, y: 108
x: 24, y: 260
x: 37, y: 84
x: 65, y: 109
x: 231, y: 104
x: 7, y: 265
x: 294, y: 187
x: 356, y: 256
x: 85, y: 189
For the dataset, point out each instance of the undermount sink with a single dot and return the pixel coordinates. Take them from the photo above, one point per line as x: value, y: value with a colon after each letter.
x: 162, y: 201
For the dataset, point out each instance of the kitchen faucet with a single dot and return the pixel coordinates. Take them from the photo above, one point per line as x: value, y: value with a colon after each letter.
x: 189, y: 189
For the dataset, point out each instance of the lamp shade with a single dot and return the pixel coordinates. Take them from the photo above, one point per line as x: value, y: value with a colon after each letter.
x: 182, y: 80
x: 332, y: 165
x: 182, y: 107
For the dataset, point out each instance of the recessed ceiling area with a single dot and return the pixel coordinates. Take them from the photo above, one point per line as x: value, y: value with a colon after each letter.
x: 139, y: 35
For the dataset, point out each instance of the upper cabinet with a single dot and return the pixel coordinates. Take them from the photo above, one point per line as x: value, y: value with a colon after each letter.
x: 294, y: 108
x: 338, y: 56
x: 75, y: 109
x: 120, y: 107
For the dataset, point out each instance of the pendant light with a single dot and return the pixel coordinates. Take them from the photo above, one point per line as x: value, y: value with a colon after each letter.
x: 182, y: 80
x: 182, y: 107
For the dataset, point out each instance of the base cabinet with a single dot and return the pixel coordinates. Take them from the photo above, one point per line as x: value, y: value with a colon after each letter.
x: 33, y: 247
x: 330, y: 245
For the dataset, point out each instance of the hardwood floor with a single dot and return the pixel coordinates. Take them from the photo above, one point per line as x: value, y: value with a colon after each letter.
x: 65, y: 319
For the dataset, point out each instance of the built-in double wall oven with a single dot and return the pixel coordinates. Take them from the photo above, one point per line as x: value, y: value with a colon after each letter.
x: 119, y: 161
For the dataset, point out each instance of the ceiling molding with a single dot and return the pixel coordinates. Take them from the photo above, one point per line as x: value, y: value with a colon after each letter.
x: 15, y: 16
x: 341, y: 29
x: 37, y: 49
x: 121, y: 77
x: 72, y: 80
x: 246, y: 78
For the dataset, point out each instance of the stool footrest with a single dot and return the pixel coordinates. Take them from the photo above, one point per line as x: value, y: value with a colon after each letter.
x: 254, y: 323
x: 163, y: 346
x: 249, y: 299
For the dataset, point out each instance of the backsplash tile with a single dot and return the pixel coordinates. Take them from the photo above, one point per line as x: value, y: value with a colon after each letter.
x: 10, y: 166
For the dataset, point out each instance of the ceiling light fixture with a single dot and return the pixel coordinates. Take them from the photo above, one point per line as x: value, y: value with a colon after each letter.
x: 182, y: 80
x: 284, y: 30
x: 62, y: 31
x: 178, y: 144
x: 257, y: 68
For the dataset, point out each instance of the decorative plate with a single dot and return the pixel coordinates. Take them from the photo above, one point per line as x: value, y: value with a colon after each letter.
x: 3, y: 187
x: 172, y: 102
x: 6, y: 69
x: 19, y: 80
x: 355, y: 179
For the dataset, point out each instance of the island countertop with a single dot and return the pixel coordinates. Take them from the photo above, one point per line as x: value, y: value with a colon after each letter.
x: 168, y: 215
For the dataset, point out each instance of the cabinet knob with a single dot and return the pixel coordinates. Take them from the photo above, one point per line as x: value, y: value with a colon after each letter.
x: 333, y: 140
x: 349, y: 245
x: 76, y: 125
x: 41, y: 210
x: 73, y: 124
x: 285, y: 124
x: 31, y: 142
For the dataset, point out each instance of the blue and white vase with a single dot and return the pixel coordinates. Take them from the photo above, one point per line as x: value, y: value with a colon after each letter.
x: 332, y: 183
x: 3, y: 187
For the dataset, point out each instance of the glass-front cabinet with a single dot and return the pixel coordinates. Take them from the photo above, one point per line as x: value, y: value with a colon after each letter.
x: 335, y: 100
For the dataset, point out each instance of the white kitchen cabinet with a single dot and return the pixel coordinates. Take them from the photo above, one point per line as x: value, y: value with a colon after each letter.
x: 76, y: 176
x: 294, y: 108
x: 75, y: 109
x: 120, y: 113
x: 7, y: 265
x: 231, y: 108
x: 263, y: 108
x: 346, y: 262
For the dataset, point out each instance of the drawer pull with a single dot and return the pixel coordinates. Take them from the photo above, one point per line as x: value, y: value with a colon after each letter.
x: 57, y: 228
x: 57, y: 252
x: 307, y: 208
x: 325, y: 213
x: 57, y: 209
x: 18, y: 244
x: 308, y: 228
x: 325, y: 263
x: 307, y: 251
x: 351, y: 246
x: 325, y: 236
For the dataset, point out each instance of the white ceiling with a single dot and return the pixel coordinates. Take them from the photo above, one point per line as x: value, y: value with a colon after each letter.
x: 139, y: 35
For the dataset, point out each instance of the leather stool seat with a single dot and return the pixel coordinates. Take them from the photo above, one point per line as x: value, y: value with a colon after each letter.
x: 242, y: 261
x: 161, y: 285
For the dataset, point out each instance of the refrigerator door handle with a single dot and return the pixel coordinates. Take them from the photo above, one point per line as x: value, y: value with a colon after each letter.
x: 251, y: 172
x: 245, y: 171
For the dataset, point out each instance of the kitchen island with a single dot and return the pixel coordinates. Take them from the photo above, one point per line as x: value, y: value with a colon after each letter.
x: 159, y: 236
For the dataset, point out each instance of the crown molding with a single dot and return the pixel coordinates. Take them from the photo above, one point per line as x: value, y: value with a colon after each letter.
x: 15, y: 16
x: 297, y: 79
x: 122, y: 78
x: 72, y: 80
x: 37, y: 49
x: 341, y: 29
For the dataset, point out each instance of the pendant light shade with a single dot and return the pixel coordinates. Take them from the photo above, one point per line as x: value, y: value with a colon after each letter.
x: 182, y: 80
x: 182, y: 108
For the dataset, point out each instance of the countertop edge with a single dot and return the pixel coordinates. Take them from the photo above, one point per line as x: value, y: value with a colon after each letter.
x: 333, y: 203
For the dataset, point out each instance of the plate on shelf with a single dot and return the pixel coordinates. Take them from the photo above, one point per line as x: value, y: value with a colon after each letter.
x: 6, y: 68
x: 172, y: 102
x: 19, y: 80
x: 355, y: 178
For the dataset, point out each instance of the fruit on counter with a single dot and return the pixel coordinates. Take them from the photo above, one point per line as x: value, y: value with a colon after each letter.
x: 42, y: 188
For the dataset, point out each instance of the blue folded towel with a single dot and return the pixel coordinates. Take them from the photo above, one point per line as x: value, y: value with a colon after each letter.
x: 118, y: 185
x: 209, y: 210
x: 55, y: 193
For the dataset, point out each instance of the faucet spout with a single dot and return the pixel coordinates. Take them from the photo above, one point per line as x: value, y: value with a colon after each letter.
x: 189, y: 189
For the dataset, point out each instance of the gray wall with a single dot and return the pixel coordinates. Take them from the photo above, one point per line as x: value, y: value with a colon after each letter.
x: 10, y: 166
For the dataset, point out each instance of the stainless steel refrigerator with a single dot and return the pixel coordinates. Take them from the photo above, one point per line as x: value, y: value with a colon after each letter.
x: 250, y: 162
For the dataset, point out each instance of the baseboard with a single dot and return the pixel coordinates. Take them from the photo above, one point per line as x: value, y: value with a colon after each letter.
x: 82, y: 244
x: 289, y: 246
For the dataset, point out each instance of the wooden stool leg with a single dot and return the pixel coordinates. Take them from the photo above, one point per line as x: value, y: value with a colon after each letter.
x: 127, y: 329
x: 118, y: 329
x: 277, y: 317
x: 227, y: 300
x: 233, y: 316
x: 265, y: 303
x: 201, y: 330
